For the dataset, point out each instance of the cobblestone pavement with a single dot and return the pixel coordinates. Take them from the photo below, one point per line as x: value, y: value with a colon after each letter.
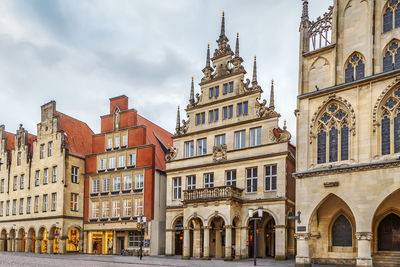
x: 28, y: 259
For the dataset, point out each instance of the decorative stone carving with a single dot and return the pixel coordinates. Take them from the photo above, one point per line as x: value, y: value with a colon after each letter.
x: 281, y: 135
x: 262, y: 110
x: 302, y: 236
x: 219, y: 152
x: 331, y: 184
x: 364, y: 236
x: 171, y: 154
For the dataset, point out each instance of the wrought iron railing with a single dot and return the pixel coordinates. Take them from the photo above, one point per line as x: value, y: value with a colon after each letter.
x: 213, y: 193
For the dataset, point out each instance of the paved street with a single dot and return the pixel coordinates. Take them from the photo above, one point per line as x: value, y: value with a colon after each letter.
x: 27, y: 259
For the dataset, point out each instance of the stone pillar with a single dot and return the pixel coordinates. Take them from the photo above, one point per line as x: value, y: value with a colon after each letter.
x: 9, y: 244
x: 89, y: 243
x: 206, y: 245
x: 303, y: 250
x: 63, y: 244
x: 218, y: 243
x: 2, y: 244
x: 28, y: 244
x: 228, y: 242
x: 86, y: 245
x: 126, y: 238
x: 244, y: 242
x: 197, y: 242
x: 237, y: 243
x: 114, y: 250
x: 13, y: 245
x: 280, y: 242
x: 38, y: 245
x: 364, y: 257
x: 186, y: 243
x: 169, y: 242
x: 50, y: 244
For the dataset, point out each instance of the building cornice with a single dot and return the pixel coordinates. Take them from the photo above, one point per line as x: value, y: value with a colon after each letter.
x: 119, y: 149
x: 121, y: 129
x: 43, y: 218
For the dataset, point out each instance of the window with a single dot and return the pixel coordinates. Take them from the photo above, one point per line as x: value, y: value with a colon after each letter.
x: 2, y: 186
x: 95, y: 210
x: 208, y: 180
x: 110, y: 143
x: 125, y: 140
x: 270, y: 178
x: 242, y: 108
x: 251, y: 180
x: 116, y: 208
x: 230, y: 112
x: 220, y: 140
x: 28, y: 205
x: 255, y: 136
x: 211, y: 92
x: 19, y: 159
x: 191, y: 182
x: 391, y: 17
x: 342, y: 235
x: 53, y: 201
x: 201, y: 147
x: 117, y: 142
x: 117, y: 184
x: 391, y: 60
x: 134, y: 239
x: 240, y: 139
x: 127, y: 208
x: 230, y: 87
x: 42, y: 149
x: 231, y: 178
x: 106, y: 184
x: 8, y: 208
x: 132, y: 160
x: 216, y: 91
x: 189, y: 149
x: 50, y: 149
x: 138, y: 207
x: 1, y: 208
x: 333, y: 132
x: 22, y: 181
x: 127, y: 182
x: 355, y: 68
x: 75, y: 175
x: 111, y: 163
x: 105, y: 209
x: 103, y: 164
x: 15, y: 187
x: 121, y: 161
x: 200, y: 118
x: 227, y: 112
x: 46, y: 176
x: 21, y: 206
x: 176, y: 188
x: 139, y: 181
x: 37, y: 178
x: 213, y: 115
x: 225, y: 88
x: 36, y: 204
x: 74, y: 201
x: 55, y: 170
x: 14, y: 207
x: 45, y: 202
x: 95, y: 186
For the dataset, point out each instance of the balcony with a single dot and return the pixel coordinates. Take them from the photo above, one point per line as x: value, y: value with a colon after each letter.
x: 212, y: 194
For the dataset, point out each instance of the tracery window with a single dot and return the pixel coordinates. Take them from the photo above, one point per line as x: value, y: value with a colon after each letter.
x: 390, y: 123
x: 391, y: 59
x: 391, y: 16
x: 333, y: 134
x: 342, y: 234
x: 355, y: 68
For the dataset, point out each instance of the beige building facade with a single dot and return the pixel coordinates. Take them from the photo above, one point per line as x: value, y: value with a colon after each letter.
x: 41, y: 185
x: 229, y: 156
x: 348, y: 142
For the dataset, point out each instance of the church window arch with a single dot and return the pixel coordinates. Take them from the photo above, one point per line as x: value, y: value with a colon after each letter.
x: 354, y: 68
x: 391, y: 56
x: 391, y: 15
x: 342, y: 232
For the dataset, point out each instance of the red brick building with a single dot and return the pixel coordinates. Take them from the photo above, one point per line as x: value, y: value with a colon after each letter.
x: 124, y: 179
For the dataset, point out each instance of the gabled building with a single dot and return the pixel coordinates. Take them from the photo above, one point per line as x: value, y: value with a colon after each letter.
x: 125, y: 178
x: 41, y: 184
x: 228, y: 157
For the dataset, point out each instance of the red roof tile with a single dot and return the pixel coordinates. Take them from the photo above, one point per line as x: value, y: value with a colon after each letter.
x: 78, y: 135
x: 10, y: 138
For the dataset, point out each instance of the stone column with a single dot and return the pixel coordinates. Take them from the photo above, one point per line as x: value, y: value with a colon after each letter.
x: 86, y: 245
x: 28, y: 244
x: 2, y: 244
x: 114, y: 250
x: 186, y: 243
x: 237, y: 243
x: 280, y: 242
x: 50, y: 244
x: 206, y: 245
x: 90, y: 243
x: 197, y: 242
x: 63, y: 244
x: 9, y: 244
x: 169, y: 242
x: 17, y: 245
x: 303, y: 251
x: 126, y: 237
x: 364, y: 257
x: 218, y: 243
x: 228, y: 242
x: 13, y: 245
x: 38, y: 245
x: 244, y: 242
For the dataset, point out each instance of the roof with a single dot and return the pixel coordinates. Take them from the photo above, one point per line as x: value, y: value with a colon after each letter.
x: 10, y: 139
x: 155, y: 135
x: 78, y: 135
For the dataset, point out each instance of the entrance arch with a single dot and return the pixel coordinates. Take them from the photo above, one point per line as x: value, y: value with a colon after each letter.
x: 73, y: 240
x: 21, y: 240
x: 31, y: 240
x: 217, y: 237
x: 196, y: 233
x: 3, y: 240
x: 12, y: 245
x: 177, y: 240
x: 265, y: 236
x: 43, y: 240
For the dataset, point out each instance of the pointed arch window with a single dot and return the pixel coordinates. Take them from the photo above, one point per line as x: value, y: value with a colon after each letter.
x: 355, y: 68
x: 390, y: 123
x: 333, y: 130
x: 391, y: 60
x: 342, y: 232
x: 391, y: 16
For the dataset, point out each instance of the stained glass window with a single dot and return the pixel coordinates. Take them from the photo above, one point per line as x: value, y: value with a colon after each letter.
x: 360, y: 73
x: 397, y: 59
x: 385, y: 136
x: 344, y: 146
x: 321, y: 147
x: 349, y: 73
x: 342, y: 235
x: 388, y: 20
x: 397, y: 134
x: 397, y: 17
x: 387, y: 62
x: 333, y: 145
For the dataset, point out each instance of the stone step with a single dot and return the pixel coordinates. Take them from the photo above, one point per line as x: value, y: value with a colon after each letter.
x: 386, y: 260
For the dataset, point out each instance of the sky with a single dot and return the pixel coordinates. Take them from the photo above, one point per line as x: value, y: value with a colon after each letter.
x: 80, y: 53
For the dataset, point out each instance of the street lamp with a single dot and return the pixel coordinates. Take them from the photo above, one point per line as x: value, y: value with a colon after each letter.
x: 141, y: 223
x: 255, y: 219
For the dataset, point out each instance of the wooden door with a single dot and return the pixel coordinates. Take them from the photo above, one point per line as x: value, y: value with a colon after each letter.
x: 389, y: 233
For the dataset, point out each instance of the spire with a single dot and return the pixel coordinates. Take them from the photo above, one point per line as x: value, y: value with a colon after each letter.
x: 208, y: 56
x: 272, y: 97
x: 254, y: 82
x: 191, y: 100
x: 305, y: 21
x: 237, y: 45
x: 222, y: 41
x: 223, y: 25
x: 178, y: 121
